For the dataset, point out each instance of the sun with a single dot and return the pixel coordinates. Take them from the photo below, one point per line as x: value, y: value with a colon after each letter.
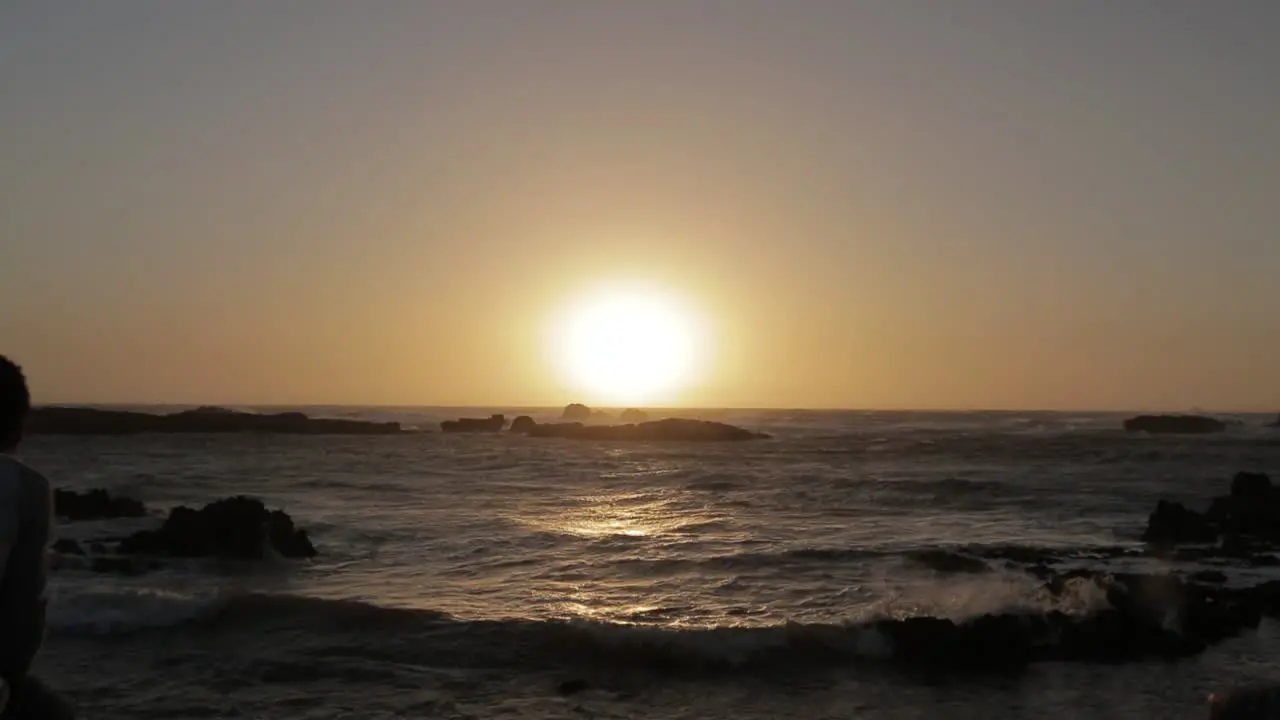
x: 628, y: 345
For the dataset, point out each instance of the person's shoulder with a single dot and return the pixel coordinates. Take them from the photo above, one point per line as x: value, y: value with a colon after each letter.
x: 29, y: 480
x: 32, y: 480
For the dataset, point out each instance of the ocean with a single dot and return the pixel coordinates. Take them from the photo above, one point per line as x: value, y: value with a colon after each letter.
x: 487, y: 576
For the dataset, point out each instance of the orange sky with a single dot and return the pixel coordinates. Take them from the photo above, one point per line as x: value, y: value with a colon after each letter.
x: 872, y: 204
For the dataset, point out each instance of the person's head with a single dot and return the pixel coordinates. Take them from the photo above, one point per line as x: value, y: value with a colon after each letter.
x: 15, y: 403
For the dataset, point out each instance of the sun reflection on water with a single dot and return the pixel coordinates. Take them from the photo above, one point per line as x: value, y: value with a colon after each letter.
x: 636, y: 515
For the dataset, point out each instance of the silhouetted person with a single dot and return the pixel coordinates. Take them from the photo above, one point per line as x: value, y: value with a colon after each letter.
x: 26, y: 530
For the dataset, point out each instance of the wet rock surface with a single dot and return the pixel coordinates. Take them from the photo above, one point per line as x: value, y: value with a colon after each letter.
x: 234, y: 528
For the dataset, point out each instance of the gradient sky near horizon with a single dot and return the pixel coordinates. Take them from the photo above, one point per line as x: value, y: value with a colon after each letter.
x: 878, y: 203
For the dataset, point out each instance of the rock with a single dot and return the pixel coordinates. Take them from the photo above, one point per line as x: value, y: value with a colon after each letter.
x: 1171, y: 523
x: 234, y: 528
x: 92, y: 421
x: 494, y: 423
x: 67, y: 546
x: 573, y: 687
x: 671, y: 429
x: 1174, y: 424
x: 94, y: 504
x: 949, y: 562
x: 1210, y: 576
x: 632, y: 415
x: 576, y: 412
x: 1251, y: 486
x: 523, y: 424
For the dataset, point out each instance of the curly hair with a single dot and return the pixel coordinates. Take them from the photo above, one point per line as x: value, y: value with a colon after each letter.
x: 15, y: 400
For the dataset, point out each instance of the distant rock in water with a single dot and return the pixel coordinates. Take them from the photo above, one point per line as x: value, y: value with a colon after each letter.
x: 523, y: 424
x: 1174, y: 424
x: 576, y: 412
x: 632, y: 415
x: 93, y: 421
x: 1275, y: 424
x: 493, y: 423
x: 97, y: 504
x: 675, y: 429
x: 235, y: 528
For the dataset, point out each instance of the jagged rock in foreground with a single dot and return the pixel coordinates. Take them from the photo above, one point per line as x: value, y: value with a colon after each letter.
x: 1174, y: 424
x: 493, y: 423
x: 673, y: 429
x: 1246, y: 520
x: 96, y: 504
x: 93, y: 421
x: 235, y: 528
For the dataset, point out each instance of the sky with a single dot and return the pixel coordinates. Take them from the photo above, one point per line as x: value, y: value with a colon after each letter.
x: 993, y: 204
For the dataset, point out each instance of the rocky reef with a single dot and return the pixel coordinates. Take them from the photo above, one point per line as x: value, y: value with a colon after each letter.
x: 238, y: 528
x: 96, y: 504
x: 1244, y: 521
x: 95, y: 421
x: 493, y: 423
x: 1174, y: 424
x: 670, y: 429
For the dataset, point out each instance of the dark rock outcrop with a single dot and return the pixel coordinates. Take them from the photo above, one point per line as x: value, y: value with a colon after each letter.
x: 576, y: 412
x: 236, y: 528
x: 523, y: 424
x: 1149, y: 616
x: 1171, y: 524
x: 632, y: 415
x: 1174, y: 424
x: 93, y: 421
x: 1247, y: 521
x: 493, y: 423
x: 671, y: 429
x: 97, y: 504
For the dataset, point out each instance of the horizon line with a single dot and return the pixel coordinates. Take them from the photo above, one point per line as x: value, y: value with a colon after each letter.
x: 732, y: 408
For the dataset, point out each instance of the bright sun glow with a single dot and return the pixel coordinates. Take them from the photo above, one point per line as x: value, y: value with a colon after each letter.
x: 629, y: 346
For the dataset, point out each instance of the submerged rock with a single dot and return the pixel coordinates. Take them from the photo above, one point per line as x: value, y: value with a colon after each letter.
x: 93, y: 421
x: 671, y: 429
x: 576, y: 412
x: 235, y: 528
x: 1174, y: 424
x: 493, y: 423
x: 96, y: 504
